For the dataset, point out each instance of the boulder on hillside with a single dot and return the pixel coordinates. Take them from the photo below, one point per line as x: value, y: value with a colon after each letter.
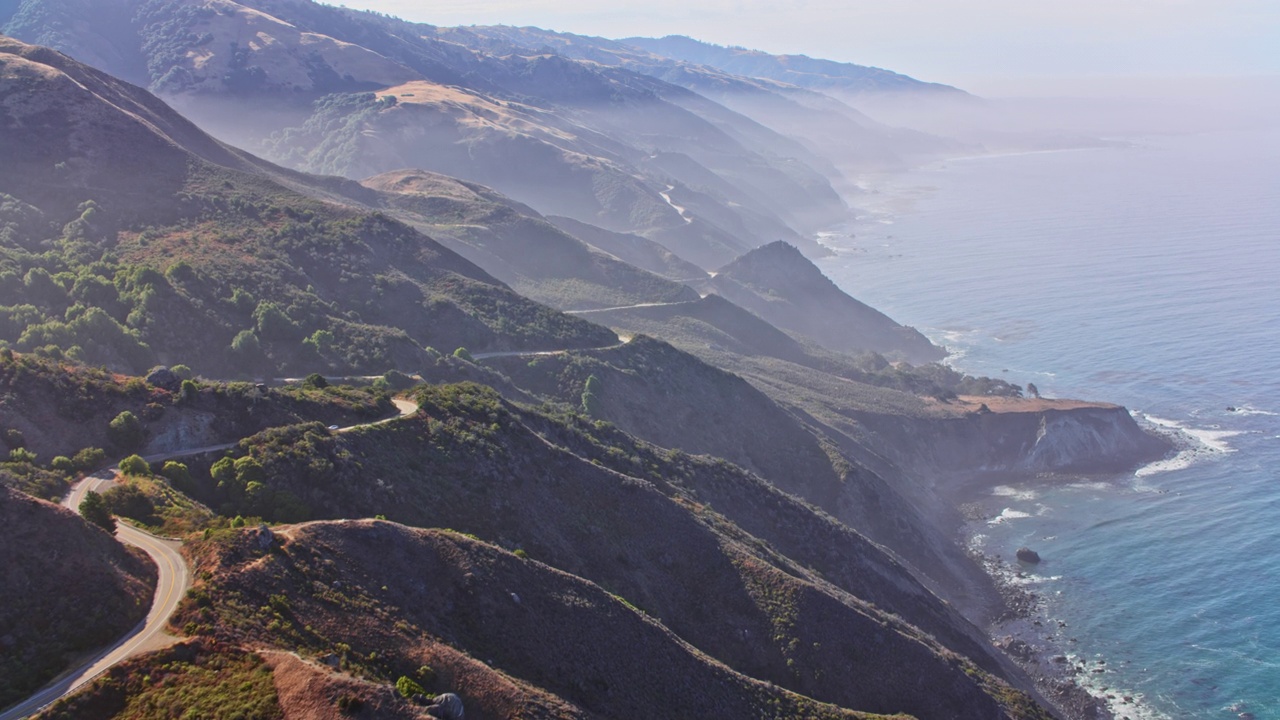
x: 163, y: 377
x: 447, y: 706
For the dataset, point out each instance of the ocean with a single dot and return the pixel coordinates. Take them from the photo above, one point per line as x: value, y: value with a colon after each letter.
x: 1146, y: 275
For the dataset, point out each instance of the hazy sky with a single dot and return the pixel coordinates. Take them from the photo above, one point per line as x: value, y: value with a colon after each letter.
x: 964, y: 42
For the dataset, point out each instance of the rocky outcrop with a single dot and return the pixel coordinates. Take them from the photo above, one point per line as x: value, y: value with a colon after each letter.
x: 1091, y: 439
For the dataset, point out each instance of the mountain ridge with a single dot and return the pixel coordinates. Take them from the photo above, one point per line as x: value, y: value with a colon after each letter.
x: 800, y: 70
x: 582, y: 461
x: 176, y: 218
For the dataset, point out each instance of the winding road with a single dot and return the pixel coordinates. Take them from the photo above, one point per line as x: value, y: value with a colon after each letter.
x: 631, y: 307
x: 173, y: 580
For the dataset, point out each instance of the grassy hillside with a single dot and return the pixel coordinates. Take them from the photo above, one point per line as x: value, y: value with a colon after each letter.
x: 657, y: 528
x: 528, y: 621
x: 66, y: 587
x: 164, y: 246
x: 516, y: 245
x: 61, y: 419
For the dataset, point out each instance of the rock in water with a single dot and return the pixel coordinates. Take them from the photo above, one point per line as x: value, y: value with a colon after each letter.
x: 1027, y: 555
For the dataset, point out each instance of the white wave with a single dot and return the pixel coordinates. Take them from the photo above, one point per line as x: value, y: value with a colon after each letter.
x: 1121, y: 703
x: 1095, y: 485
x: 1251, y: 410
x: 1008, y: 514
x: 1015, y: 493
x: 1201, y: 443
x: 1181, y: 461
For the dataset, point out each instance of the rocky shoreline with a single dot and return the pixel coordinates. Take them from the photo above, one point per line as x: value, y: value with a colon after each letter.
x: 1041, y: 645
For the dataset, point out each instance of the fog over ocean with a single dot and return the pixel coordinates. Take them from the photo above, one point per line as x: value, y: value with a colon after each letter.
x: 1146, y: 275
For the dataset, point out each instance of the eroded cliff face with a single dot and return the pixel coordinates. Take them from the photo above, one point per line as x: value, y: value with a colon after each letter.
x: 1025, y: 439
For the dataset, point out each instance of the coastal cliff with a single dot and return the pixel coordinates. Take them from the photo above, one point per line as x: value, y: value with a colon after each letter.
x: 977, y: 437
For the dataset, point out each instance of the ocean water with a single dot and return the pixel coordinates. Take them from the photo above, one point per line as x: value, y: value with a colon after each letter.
x: 1146, y: 275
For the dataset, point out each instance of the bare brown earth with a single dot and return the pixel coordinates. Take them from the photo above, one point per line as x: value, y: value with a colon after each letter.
x: 511, y: 636
x: 967, y: 404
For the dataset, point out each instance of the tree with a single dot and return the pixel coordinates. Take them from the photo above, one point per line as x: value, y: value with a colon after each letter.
x: 135, y: 465
x: 463, y: 354
x: 272, y: 323
x: 129, y: 501
x: 94, y: 509
x: 223, y: 473
x: 249, y: 470
x: 591, y: 396
x: 126, y: 431
x: 89, y: 459
x: 176, y: 473
x: 320, y: 341
x: 1032, y: 390
x: 245, y: 344
x: 398, y: 380
x: 315, y: 381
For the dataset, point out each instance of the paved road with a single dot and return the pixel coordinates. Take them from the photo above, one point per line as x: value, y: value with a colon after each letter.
x: 629, y: 307
x: 172, y: 583
x: 623, y: 340
x: 174, y: 579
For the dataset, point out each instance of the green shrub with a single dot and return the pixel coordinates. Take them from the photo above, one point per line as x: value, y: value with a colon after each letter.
x: 398, y: 380
x: 315, y: 381
x: 350, y: 704
x: 176, y: 473
x: 126, y: 431
x: 463, y: 354
x: 94, y: 509
x: 135, y: 465
x: 320, y: 342
x: 408, y: 687
x: 129, y: 501
x: 62, y: 463
x: 89, y: 459
x: 245, y: 346
x: 279, y: 603
x: 14, y: 438
x: 591, y: 396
